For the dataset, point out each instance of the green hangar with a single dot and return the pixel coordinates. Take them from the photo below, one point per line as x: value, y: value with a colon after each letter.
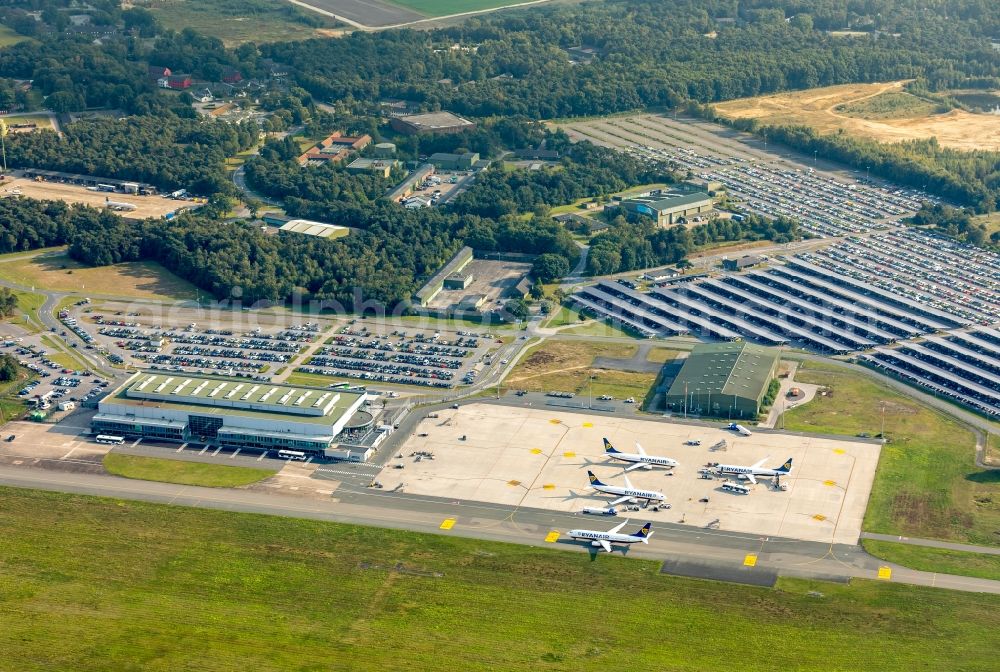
x: 723, y: 380
x: 231, y: 412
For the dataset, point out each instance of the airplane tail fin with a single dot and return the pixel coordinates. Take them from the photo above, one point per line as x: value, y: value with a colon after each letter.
x: 593, y: 479
x: 786, y: 467
x: 645, y: 532
x: 608, y: 448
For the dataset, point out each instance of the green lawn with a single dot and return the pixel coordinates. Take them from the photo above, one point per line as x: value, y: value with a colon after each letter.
x: 102, y: 584
x: 9, y: 38
x: 563, y: 317
x: 598, y: 328
x: 182, y: 472
x: 939, y: 560
x: 927, y: 484
x: 12, y: 405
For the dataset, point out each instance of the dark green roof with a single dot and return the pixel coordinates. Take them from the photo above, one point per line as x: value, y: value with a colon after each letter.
x: 671, y: 202
x: 739, y: 368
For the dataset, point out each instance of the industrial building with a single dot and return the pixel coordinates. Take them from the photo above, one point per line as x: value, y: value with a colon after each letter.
x: 445, y: 161
x: 431, y: 122
x: 317, y: 229
x: 382, y: 167
x: 232, y: 412
x: 741, y: 263
x: 726, y: 380
x: 668, y: 209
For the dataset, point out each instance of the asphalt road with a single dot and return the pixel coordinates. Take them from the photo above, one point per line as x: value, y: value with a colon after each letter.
x: 358, y: 505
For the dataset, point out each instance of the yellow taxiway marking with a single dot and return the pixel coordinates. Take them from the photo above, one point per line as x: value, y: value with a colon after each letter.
x: 549, y: 486
x: 885, y: 573
x: 839, y: 451
x: 750, y: 560
x: 448, y: 524
x: 569, y: 453
x: 588, y: 424
x: 829, y: 482
x: 514, y: 483
x: 552, y: 536
x: 536, y: 451
x: 554, y: 421
x: 819, y: 516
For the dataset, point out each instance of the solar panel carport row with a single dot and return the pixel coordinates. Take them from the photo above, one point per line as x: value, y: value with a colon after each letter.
x: 974, y: 338
x: 940, y: 320
x: 612, y: 314
x: 944, y: 374
x: 810, y: 315
x: 738, y: 318
x: 640, y: 301
x: 988, y: 378
x: 828, y: 291
x: 720, y: 294
x: 880, y: 361
x: 786, y: 289
x: 952, y: 346
x: 705, y: 325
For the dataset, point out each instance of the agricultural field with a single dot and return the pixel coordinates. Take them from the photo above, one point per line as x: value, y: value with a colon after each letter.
x: 309, y: 595
x: 238, y: 21
x: 927, y: 484
x: 448, y: 7
x: 883, y: 112
x: 57, y: 272
x: 182, y: 472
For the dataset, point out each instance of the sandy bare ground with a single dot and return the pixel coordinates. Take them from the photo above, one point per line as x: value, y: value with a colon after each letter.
x: 146, y: 206
x: 818, y: 108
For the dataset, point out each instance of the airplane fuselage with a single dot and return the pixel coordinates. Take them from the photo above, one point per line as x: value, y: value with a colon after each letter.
x: 649, y: 495
x: 597, y: 537
x: 645, y: 459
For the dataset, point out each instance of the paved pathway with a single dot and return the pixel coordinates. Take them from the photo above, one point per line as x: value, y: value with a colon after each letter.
x: 932, y: 543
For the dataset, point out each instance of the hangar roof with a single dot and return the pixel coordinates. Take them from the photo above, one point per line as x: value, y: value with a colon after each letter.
x: 739, y: 368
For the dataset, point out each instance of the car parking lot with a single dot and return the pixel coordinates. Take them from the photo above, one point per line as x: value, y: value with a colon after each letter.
x: 827, y: 204
x: 540, y: 458
x: 54, y: 387
x: 411, y: 357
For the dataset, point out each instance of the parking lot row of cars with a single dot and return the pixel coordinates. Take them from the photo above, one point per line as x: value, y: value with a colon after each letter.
x: 909, y: 264
x: 432, y: 361
x: 374, y: 376
x: 824, y: 205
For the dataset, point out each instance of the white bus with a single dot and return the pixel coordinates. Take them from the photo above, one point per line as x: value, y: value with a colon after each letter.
x: 292, y: 455
x: 108, y: 438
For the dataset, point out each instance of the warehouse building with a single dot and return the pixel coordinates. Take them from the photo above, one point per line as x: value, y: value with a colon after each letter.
x: 669, y: 209
x: 234, y: 413
x: 728, y: 380
x: 446, y: 161
x: 310, y: 228
x: 431, y: 122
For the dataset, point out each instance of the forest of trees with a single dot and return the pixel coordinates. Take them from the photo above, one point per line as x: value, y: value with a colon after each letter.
x: 955, y: 223
x: 627, y: 246
x: 169, y: 152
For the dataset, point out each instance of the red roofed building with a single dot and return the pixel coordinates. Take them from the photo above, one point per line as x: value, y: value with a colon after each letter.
x: 335, y: 147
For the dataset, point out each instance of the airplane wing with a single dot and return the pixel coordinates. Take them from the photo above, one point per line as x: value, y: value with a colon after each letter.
x: 637, y: 465
x: 628, y: 484
x: 618, y: 528
x: 639, y: 449
x: 751, y: 478
x: 620, y: 500
x: 758, y: 465
x: 606, y: 545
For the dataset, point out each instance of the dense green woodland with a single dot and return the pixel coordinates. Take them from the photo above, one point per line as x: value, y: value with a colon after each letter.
x: 510, y: 70
x: 168, y: 152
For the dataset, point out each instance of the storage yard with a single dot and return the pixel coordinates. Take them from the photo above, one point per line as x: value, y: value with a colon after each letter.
x: 540, y: 458
x: 145, y: 206
x: 827, y: 203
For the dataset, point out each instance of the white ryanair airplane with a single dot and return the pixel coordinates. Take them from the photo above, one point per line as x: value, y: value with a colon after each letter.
x: 613, y: 536
x: 639, y: 459
x: 628, y: 493
x: 756, y: 470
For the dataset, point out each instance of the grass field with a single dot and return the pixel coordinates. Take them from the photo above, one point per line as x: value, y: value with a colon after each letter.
x: 598, y: 328
x: 8, y: 37
x: 565, y: 366
x: 563, y: 317
x: 937, y: 559
x: 236, y: 21
x: 96, y: 584
x: 29, y: 304
x: 880, y: 111
x: 12, y: 405
x: 927, y: 484
x: 184, y: 473
x: 142, y: 280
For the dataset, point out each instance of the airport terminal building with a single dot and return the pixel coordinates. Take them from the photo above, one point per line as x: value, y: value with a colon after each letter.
x: 231, y: 412
x: 727, y: 380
